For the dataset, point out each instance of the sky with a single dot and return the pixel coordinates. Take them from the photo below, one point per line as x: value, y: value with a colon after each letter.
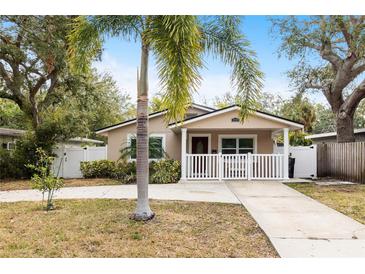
x: 121, y: 59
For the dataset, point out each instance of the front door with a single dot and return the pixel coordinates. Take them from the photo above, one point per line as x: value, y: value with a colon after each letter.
x: 199, y: 145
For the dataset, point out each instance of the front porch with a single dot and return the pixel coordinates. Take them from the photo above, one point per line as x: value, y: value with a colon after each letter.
x: 218, y: 146
x: 244, y: 155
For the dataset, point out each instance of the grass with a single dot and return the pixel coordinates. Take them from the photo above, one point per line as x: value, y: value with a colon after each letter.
x: 348, y: 199
x: 25, y: 184
x: 101, y: 228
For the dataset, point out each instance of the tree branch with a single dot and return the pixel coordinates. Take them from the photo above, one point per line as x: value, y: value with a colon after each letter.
x: 353, y: 100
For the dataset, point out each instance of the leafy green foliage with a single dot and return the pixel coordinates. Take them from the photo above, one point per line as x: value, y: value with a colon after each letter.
x: 9, y: 166
x: 161, y: 172
x: 166, y: 171
x: 339, y: 43
x: 11, y: 115
x: 98, y: 169
x: 156, y: 150
x: 300, y: 109
x: 42, y: 179
x: 176, y: 43
x: 296, y: 138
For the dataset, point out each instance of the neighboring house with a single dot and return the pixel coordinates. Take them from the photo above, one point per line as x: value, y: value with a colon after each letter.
x: 9, y: 136
x: 331, y: 137
x: 213, y: 144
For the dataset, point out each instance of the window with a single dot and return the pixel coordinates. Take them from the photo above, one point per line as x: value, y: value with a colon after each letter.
x: 11, y: 146
x: 156, y: 146
x: 237, y: 145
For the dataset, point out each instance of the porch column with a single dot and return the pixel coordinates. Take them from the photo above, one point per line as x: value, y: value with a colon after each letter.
x: 286, y: 153
x: 183, y: 154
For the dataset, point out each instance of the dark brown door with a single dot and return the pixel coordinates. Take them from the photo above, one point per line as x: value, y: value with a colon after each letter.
x: 199, y: 145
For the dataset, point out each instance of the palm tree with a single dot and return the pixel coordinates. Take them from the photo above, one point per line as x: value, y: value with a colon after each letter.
x: 178, y: 44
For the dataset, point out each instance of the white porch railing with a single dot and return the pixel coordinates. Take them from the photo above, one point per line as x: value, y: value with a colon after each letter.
x: 234, y: 166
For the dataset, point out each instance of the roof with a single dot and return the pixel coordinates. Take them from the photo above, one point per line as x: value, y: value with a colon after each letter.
x: 151, y: 115
x: 85, y: 140
x: 332, y: 134
x: 11, y: 132
x: 236, y: 107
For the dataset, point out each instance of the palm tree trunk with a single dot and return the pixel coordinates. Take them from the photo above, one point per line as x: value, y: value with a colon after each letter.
x: 143, y: 211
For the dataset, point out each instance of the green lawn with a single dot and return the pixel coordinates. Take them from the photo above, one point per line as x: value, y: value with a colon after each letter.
x: 348, y: 199
x: 101, y: 228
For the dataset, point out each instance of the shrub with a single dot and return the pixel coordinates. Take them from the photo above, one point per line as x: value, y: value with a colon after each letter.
x: 165, y: 172
x: 125, y: 172
x: 98, y: 169
x: 161, y: 172
x: 42, y: 179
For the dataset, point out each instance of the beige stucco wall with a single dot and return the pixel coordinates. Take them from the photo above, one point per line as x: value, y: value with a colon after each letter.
x: 215, y: 126
x: 264, y: 141
x: 119, y: 137
x: 224, y: 120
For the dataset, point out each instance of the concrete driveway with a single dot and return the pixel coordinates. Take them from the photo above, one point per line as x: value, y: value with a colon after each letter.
x: 297, y: 225
x: 203, y: 192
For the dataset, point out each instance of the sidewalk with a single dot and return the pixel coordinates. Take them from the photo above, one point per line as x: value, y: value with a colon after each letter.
x: 297, y: 225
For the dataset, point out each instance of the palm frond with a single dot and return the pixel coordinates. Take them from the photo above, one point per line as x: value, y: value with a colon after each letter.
x: 87, y: 36
x: 85, y: 43
x: 129, y: 150
x: 176, y: 44
x: 222, y: 38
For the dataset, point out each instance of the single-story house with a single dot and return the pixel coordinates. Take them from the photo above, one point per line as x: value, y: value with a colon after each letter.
x: 212, y: 144
x: 331, y: 137
x: 9, y: 136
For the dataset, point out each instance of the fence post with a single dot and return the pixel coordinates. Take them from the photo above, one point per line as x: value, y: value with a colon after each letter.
x: 220, y: 166
x: 248, y: 166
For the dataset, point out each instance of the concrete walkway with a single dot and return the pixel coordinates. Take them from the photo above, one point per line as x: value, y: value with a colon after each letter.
x: 297, y: 225
x: 203, y: 192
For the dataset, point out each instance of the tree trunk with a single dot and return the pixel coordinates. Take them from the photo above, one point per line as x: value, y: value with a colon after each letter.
x: 345, y: 127
x: 143, y: 211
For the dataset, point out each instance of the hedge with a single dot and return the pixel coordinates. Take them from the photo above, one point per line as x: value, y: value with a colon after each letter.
x: 161, y: 172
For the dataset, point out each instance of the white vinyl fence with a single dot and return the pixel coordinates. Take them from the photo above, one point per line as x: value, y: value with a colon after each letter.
x: 305, y: 160
x: 67, y: 162
x: 234, y: 166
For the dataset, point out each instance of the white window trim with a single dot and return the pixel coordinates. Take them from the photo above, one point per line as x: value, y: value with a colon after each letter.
x: 134, y: 135
x: 200, y: 135
x: 235, y: 136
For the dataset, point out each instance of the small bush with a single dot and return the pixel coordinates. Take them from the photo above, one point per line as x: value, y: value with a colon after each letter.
x: 42, y: 179
x: 98, y: 169
x: 125, y: 172
x: 10, y: 167
x: 165, y: 172
x: 161, y: 172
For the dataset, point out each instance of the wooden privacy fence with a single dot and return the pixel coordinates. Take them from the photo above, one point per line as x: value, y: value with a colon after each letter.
x: 344, y: 161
